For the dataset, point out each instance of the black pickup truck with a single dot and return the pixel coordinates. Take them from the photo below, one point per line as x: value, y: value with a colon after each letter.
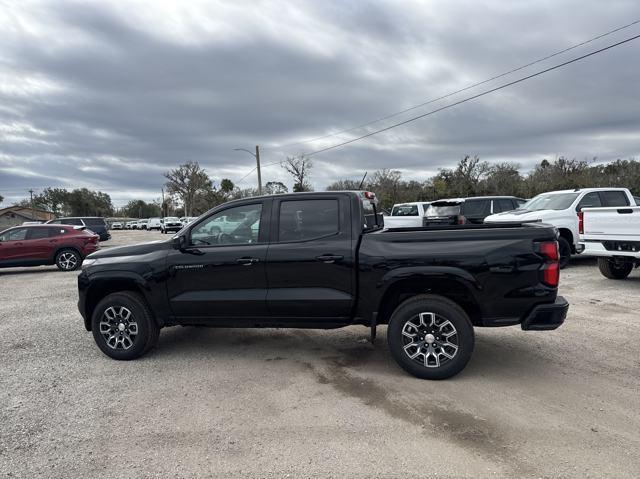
x: 324, y: 260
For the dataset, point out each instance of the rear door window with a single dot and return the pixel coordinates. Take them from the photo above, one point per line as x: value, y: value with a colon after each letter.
x: 57, y: 231
x: 614, y: 198
x: 590, y: 200
x: 308, y: 219
x: 38, y: 233
x: 476, y: 208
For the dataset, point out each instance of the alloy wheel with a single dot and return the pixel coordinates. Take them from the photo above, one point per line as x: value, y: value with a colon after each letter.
x: 68, y: 261
x: 430, y: 340
x: 118, y: 327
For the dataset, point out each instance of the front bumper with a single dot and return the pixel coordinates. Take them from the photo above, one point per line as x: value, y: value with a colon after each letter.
x: 545, y: 317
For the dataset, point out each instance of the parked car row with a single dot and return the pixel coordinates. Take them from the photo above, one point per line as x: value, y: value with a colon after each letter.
x: 451, y: 211
x: 165, y: 225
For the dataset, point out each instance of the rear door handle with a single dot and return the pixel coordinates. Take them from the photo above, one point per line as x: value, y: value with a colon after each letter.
x: 247, y: 261
x: 329, y: 258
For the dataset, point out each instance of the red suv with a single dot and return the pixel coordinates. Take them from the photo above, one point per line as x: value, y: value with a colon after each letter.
x: 34, y: 245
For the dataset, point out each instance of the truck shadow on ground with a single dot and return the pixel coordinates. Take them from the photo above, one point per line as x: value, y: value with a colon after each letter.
x: 494, y: 356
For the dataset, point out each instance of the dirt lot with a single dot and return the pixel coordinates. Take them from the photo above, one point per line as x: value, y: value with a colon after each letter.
x: 289, y: 403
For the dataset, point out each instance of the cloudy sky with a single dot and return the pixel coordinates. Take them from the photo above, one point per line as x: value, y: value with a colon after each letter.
x: 111, y: 94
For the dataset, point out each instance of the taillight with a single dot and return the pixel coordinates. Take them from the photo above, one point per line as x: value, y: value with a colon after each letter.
x: 549, y: 250
x: 581, y: 222
x: 551, y: 266
x: 461, y: 220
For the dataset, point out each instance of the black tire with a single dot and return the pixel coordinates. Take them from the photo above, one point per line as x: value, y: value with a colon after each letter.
x: 564, y: 248
x: 68, y: 259
x: 614, y: 270
x: 443, y: 311
x: 146, y: 337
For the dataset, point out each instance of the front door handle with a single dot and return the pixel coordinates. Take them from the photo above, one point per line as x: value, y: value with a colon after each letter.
x: 329, y: 258
x: 246, y: 261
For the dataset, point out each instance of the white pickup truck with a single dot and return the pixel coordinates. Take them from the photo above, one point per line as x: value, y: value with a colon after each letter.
x: 407, y: 215
x: 561, y: 208
x: 613, y: 235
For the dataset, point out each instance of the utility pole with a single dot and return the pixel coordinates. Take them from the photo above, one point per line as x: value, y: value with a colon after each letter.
x: 257, y: 157
x: 163, y: 209
x: 32, y: 212
x: 258, y: 167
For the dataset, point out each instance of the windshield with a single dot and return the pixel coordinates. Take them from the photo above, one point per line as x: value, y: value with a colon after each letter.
x: 548, y: 201
x: 171, y: 219
x: 405, y: 210
x: 443, y: 209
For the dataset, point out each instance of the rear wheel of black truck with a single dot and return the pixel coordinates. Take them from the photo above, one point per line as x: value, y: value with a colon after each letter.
x: 564, y: 250
x: 123, y: 326
x: 430, y: 337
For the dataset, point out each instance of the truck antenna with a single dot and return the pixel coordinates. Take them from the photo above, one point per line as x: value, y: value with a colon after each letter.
x: 362, y: 181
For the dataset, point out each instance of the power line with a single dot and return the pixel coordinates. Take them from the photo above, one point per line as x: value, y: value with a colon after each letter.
x: 469, y: 87
x: 546, y: 70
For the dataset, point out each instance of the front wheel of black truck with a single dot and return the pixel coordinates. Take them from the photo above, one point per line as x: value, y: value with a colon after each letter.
x: 430, y: 337
x: 123, y: 326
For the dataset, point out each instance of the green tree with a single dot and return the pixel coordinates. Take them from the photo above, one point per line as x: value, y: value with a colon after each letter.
x: 275, y: 188
x: 83, y: 202
x: 141, y: 209
x: 503, y: 179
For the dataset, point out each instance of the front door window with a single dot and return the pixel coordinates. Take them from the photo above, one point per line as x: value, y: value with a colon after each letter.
x: 239, y: 225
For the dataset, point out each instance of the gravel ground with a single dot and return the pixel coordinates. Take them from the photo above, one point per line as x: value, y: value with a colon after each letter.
x: 294, y: 403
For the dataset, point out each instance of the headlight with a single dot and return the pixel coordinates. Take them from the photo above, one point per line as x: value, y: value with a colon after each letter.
x: 88, y: 262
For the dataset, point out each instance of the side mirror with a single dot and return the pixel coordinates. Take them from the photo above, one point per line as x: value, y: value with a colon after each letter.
x: 179, y: 242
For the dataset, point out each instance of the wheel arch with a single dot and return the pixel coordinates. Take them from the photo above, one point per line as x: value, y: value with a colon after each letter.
x: 102, y: 287
x: 567, y: 234
x: 455, y: 288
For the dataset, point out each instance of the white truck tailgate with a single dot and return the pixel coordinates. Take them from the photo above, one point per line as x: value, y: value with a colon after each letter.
x: 402, y: 221
x: 614, y: 224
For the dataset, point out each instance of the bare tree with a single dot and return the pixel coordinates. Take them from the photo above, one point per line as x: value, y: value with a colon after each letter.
x: 186, y: 182
x: 299, y: 168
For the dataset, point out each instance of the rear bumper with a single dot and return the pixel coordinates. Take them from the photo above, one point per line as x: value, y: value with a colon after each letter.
x: 629, y: 249
x: 546, y: 316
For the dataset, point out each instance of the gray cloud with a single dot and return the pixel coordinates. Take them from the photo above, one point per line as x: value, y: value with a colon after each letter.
x: 110, y: 95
